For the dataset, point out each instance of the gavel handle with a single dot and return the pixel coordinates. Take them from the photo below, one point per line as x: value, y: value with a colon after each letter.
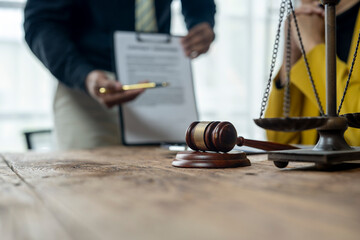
x: 264, y: 145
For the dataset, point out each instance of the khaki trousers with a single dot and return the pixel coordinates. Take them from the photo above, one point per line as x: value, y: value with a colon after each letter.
x: 82, y: 123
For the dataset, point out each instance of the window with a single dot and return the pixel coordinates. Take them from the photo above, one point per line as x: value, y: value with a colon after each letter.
x: 230, y: 80
x: 26, y: 87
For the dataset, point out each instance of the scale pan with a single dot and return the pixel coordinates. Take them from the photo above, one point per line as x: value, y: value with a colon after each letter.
x: 292, y: 124
x: 353, y: 119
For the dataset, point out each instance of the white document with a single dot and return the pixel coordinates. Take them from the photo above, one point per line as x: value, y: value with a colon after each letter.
x: 159, y: 115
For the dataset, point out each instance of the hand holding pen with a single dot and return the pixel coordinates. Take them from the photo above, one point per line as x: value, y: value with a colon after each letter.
x: 115, y: 95
x: 144, y: 85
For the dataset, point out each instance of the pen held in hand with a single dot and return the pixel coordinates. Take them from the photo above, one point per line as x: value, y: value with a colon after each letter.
x: 104, y: 90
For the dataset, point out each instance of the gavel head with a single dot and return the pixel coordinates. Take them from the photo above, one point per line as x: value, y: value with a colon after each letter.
x: 211, y: 136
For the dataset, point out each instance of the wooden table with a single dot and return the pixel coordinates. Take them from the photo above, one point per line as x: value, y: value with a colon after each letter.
x: 135, y: 193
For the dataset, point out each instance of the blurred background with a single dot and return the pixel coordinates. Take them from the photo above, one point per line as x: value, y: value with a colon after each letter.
x: 229, y: 81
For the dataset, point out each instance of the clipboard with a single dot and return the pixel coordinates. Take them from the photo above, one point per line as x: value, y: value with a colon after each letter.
x: 161, y: 115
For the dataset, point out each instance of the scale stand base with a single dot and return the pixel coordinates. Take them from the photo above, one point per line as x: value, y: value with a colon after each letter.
x: 322, y: 159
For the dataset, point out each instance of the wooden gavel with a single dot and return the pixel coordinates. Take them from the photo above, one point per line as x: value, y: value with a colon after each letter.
x: 222, y: 137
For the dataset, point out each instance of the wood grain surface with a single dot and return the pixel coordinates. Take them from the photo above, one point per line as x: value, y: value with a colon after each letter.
x: 135, y: 193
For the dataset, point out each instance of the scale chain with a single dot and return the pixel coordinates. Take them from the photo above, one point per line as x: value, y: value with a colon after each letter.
x: 274, y: 56
x: 306, y: 61
x: 287, y: 100
x: 349, y: 76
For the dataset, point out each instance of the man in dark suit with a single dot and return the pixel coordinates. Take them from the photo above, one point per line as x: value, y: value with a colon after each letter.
x: 73, y: 39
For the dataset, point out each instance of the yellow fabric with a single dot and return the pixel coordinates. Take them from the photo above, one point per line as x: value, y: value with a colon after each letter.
x: 303, y: 101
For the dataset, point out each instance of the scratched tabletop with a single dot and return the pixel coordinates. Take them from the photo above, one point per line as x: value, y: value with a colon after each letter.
x: 135, y: 193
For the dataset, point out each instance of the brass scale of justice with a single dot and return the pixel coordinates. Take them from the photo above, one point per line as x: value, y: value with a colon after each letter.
x: 331, y: 148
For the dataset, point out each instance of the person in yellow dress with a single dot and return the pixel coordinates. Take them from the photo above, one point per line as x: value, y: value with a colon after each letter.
x: 310, y: 16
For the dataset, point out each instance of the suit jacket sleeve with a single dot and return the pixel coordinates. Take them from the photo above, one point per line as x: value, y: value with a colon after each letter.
x: 47, y: 33
x: 198, y: 11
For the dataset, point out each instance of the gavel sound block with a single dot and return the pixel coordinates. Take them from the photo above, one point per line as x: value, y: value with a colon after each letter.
x: 211, y: 136
x: 218, y: 137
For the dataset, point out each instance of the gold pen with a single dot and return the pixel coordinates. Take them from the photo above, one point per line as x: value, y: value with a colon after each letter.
x: 104, y: 90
